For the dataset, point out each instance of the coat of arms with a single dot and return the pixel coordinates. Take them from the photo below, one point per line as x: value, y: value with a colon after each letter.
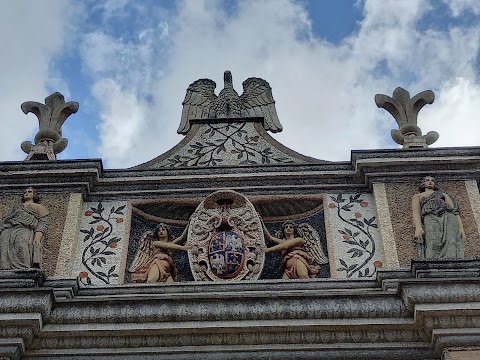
x: 227, y: 236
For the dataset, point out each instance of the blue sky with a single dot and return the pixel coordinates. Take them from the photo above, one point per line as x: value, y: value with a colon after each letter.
x: 128, y: 64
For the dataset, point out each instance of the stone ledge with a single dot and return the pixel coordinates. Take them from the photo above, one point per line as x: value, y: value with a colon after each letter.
x: 21, y: 278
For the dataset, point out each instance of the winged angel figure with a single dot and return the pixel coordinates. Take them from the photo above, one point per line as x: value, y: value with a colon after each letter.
x: 302, y: 253
x: 256, y: 101
x: 153, y: 261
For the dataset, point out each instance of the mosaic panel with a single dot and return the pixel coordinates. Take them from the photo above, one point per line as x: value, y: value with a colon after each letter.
x: 271, y: 265
x: 101, y: 240
x: 227, y: 144
x: 353, y: 236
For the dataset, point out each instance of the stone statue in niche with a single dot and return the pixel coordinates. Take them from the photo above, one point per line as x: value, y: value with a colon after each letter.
x: 302, y: 253
x: 153, y: 260
x: 439, y: 230
x: 22, y: 232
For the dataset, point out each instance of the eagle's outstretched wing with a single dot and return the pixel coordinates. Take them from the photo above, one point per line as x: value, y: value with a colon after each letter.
x: 258, y: 101
x: 144, y: 251
x: 312, y: 243
x: 198, y: 99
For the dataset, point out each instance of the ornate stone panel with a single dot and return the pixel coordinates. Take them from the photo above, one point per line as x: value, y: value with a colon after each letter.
x: 228, y: 143
x: 355, y: 249
x: 101, y: 242
x: 314, y: 219
x: 226, y: 235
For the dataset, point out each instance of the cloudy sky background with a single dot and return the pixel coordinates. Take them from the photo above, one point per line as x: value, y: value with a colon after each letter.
x: 128, y: 64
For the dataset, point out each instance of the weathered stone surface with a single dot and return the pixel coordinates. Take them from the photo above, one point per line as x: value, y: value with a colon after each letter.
x: 398, y: 195
x: 410, y: 314
x: 21, y: 278
x: 58, y: 202
x: 282, y: 319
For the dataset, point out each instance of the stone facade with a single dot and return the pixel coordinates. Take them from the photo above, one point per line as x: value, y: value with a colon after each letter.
x: 68, y: 312
x: 237, y: 287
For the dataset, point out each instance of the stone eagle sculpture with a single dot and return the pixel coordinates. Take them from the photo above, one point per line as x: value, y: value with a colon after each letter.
x: 256, y: 101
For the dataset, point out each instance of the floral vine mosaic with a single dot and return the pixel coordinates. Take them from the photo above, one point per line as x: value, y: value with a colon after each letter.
x: 227, y: 144
x: 355, y: 223
x: 100, y: 243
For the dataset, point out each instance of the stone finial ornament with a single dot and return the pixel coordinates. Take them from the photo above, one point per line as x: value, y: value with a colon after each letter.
x: 51, y: 116
x: 256, y: 101
x: 405, y: 111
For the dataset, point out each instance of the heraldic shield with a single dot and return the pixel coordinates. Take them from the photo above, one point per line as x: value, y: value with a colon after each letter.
x: 226, y: 236
x: 226, y: 254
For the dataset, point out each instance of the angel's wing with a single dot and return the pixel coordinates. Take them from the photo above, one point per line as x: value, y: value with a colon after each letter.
x: 144, y: 251
x: 258, y: 100
x: 312, y: 243
x: 200, y: 95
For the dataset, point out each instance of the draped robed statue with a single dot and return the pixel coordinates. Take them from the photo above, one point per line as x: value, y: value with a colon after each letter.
x: 22, y: 232
x: 439, y: 230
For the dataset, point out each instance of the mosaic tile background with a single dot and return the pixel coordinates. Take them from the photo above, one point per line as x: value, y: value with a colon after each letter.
x: 355, y: 248
x: 101, y: 241
x: 227, y: 144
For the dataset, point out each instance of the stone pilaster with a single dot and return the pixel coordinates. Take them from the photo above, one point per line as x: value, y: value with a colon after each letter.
x: 474, y: 198
x: 385, y: 225
x: 69, y: 238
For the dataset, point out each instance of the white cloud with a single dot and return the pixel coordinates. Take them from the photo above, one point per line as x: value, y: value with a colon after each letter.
x: 314, y: 83
x: 324, y: 92
x: 459, y: 6
x: 121, y: 116
x: 454, y: 114
x: 31, y: 33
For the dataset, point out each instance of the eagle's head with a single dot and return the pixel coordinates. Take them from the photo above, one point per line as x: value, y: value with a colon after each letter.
x: 227, y: 77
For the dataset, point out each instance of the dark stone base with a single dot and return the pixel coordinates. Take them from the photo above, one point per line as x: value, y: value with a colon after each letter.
x: 21, y: 278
